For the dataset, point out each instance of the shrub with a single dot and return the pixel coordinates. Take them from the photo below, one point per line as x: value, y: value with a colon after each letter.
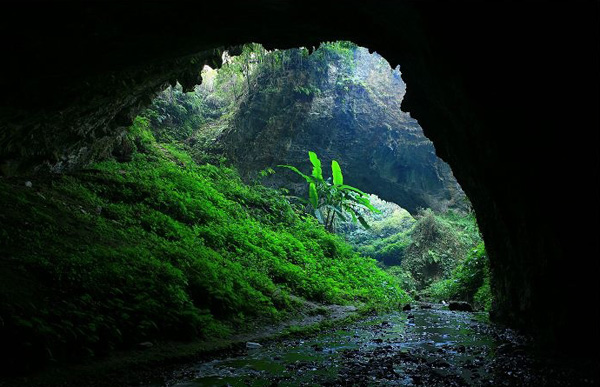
x: 469, y: 281
x: 407, y: 282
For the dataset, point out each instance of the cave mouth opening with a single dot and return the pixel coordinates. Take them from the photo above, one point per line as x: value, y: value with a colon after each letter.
x: 187, y: 226
x: 263, y: 108
x: 511, y: 183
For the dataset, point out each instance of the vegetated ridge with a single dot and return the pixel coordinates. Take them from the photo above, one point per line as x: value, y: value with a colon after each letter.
x: 155, y: 247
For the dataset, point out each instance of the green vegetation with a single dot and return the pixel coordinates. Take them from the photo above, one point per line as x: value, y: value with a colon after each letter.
x: 390, y: 250
x: 438, y: 256
x: 429, y: 247
x: 333, y: 200
x: 419, y: 252
x: 175, y: 115
x: 160, y: 247
x: 439, y: 243
x: 469, y: 281
x: 389, y: 224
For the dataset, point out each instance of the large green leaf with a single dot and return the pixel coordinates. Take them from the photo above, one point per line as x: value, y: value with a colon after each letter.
x: 363, y: 222
x: 338, y: 211
x: 365, y: 202
x: 352, y: 212
x: 313, y: 195
x: 338, y: 178
x: 350, y: 188
x: 317, y: 171
x: 309, y: 179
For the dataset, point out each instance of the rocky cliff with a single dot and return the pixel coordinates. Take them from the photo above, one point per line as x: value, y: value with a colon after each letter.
x: 344, y: 106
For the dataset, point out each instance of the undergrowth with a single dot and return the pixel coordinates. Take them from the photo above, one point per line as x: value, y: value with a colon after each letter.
x: 426, y: 250
x: 469, y: 281
x: 156, y: 248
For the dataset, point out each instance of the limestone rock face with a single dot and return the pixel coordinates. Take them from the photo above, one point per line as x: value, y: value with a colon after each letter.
x: 350, y: 115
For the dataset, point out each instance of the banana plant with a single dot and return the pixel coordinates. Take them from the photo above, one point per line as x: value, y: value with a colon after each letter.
x: 331, y: 199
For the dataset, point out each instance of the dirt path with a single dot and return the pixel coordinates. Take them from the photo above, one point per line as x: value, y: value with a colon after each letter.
x: 126, y: 368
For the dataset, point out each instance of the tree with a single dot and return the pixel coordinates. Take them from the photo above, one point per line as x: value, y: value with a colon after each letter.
x: 331, y: 199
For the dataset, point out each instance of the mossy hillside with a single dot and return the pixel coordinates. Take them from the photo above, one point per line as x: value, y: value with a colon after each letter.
x: 433, y: 244
x: 439, y: 242
x: 161, y: 248
x: 469, y: 281
x: 433, y: 256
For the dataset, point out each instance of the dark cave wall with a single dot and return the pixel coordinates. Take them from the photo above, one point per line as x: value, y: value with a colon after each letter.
x: 70, y: 124
x: 508, y: 93
x: 519, y: 112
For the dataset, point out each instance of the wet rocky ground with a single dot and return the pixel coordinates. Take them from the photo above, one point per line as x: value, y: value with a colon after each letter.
x: 426, y: 346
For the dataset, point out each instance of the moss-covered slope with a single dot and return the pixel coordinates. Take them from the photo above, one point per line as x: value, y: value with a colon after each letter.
x: 159, y: 247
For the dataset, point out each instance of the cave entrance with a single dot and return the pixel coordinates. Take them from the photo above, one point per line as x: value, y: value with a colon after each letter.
x: 266, y: 108
x: 108, y: 61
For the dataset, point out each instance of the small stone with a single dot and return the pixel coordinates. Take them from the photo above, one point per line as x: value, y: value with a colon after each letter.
x: 252, y: 345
